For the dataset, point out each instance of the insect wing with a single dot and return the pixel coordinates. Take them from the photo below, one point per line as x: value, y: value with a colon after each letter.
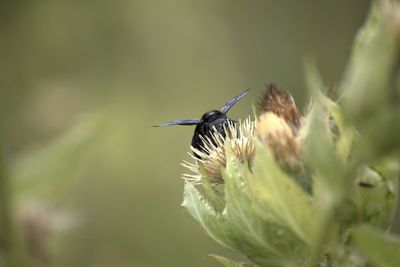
x: 233, y: 101
x: 180, y: 122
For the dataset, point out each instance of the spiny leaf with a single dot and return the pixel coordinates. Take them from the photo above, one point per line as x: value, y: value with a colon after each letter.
x: 209, y: 218
x: 320, y: 154
x: 210, y: 192
x: 334, y: 117
x: 286, y: 200
x: 265, y: 242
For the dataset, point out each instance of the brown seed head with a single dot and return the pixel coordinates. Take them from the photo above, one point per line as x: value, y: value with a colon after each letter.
x: 273, y: 131
x: 281, y: 103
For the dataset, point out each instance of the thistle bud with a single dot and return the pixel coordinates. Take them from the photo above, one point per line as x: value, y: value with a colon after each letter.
x: 279, y: 124
x: 278, y: 136
x: 281, y: 103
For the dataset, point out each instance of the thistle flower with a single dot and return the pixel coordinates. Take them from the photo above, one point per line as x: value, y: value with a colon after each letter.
x: 276, y: 127
x: 213, y: 159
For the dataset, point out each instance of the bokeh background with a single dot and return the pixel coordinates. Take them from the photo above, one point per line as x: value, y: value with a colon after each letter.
x: 81, y: 82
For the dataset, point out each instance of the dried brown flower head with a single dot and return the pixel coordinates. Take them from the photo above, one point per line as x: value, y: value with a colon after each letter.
x: 278, y: 125
x: 276, y: 133
x: 281, y: 103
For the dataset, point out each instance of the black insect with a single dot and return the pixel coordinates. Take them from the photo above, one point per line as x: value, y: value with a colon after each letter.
x: 205, y: 126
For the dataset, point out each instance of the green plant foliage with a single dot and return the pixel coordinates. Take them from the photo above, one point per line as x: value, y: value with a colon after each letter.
x: 365, y: 87
x: 212, y: 221
x: 382, y: 248
x: 256, y: 236
x: 229, y: 263
x: 84, y: 187
x: 326, y: 213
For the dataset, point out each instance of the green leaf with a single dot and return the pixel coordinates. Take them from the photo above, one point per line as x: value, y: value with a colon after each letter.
x: 47, y: 171
x: 346, y: 133
x: 379, y: 202
x: 230, y: 263
x: 211, y: 193
x: 209, y: 218
x: 329, y: 180
x: 380, y: 248
x: 265, y: 240
x: 372, y: 143
x: 285, y: 199
x: 372, y: 200
x: 365, y: 87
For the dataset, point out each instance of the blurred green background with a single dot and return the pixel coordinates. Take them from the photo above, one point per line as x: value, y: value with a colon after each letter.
x: 81, y: 82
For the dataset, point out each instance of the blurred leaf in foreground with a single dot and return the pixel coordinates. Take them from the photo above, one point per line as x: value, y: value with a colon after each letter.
x: 49, y: 168
x: 381, y: 248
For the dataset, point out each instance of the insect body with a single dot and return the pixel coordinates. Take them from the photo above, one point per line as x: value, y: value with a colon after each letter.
x: 210, y: 121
